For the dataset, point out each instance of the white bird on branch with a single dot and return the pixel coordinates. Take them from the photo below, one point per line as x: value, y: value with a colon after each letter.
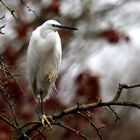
x: 43, y: 60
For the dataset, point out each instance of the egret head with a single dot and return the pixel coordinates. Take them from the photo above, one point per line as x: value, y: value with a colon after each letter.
x: 54, y: 25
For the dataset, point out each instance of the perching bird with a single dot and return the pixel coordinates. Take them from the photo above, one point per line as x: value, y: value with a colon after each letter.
x: 43, y: 59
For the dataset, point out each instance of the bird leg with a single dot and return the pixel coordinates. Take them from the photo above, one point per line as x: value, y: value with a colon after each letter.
x: 45, y: 118
x: 41, y: 102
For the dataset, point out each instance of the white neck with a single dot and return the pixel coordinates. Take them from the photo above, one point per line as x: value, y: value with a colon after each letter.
x: 44, y: 32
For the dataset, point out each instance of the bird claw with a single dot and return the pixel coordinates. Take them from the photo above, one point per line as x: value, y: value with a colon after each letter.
x: 46, y: 121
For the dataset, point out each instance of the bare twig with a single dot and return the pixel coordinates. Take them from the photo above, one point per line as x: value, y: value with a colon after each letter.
x: 3, y: 26
x: 7, y: 73
x: 4, y: 93
x: 13, y: 125
x: 43, y: 136
x: 91, y: 123
x: 30, y: 131
x: 28, y: 124
x: 9, y: 122
x: 2, y: 17
x: 83, y: 107
x: 116, y: 115
x: 72, y: 130
x: 31, y: 10
x: 120, y: 89
x: 78, y: 109
x: 10, y: 10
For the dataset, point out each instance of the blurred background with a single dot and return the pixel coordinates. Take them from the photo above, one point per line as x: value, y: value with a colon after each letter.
x: 104, y: 52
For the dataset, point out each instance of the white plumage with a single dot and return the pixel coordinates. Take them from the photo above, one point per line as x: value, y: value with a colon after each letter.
x: 43, y: 61
x: 43, y: 58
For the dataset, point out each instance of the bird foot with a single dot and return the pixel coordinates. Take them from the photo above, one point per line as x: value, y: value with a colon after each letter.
x: 46, y: 121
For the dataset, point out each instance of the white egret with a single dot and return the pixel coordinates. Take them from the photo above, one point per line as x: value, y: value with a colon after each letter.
x: 43, y: 60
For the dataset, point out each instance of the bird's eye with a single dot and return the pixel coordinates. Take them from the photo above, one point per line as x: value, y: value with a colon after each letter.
x: 53, y: 25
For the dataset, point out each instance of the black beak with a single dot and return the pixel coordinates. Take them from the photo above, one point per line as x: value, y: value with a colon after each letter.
x: 64, y: 27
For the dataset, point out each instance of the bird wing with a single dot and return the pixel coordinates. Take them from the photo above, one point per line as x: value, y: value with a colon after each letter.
x: 32, y: 62
x: 43, y: 59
